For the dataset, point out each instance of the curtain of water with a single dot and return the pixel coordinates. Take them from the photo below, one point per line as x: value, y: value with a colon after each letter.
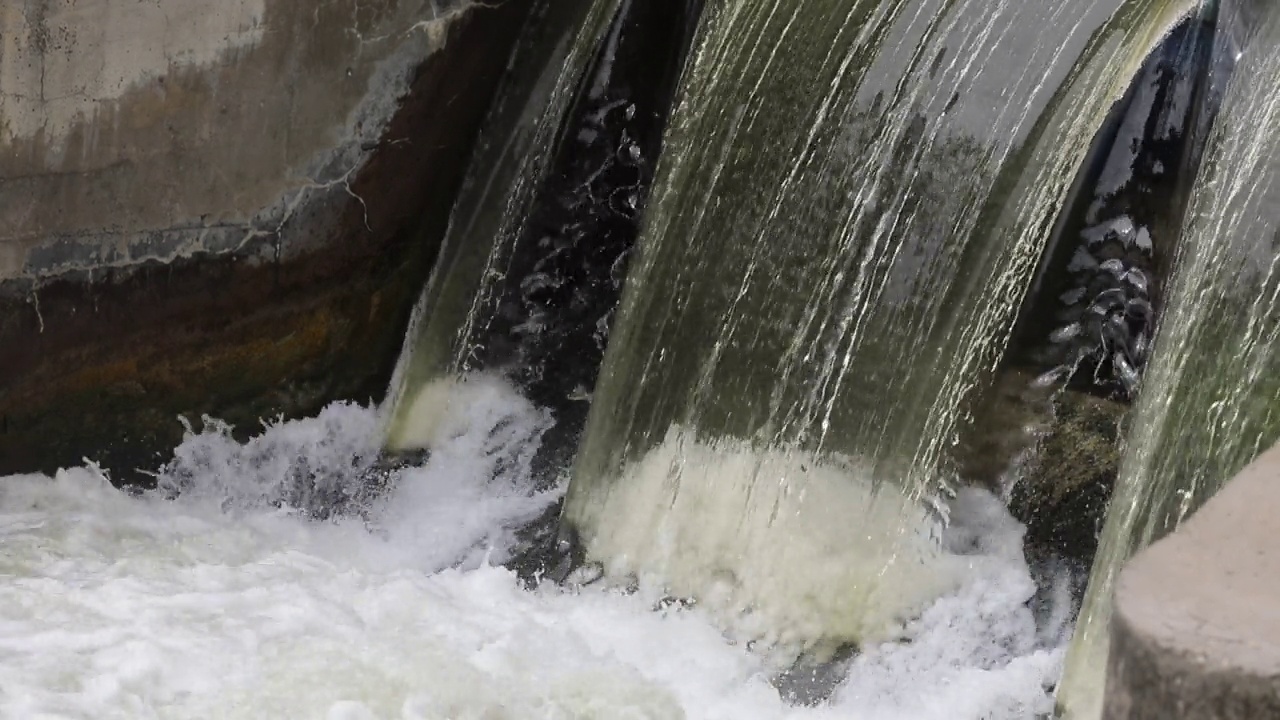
x: 513, y: 154
x: 853, y: 198
x: 1211, y: 400
x: 1047, y: 432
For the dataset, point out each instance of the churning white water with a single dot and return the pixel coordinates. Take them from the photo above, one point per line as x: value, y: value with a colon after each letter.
x: 234, y: 601
x: 785, y: 547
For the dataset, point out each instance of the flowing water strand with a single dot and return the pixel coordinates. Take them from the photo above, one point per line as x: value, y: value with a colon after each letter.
x: 852, y: 200
x: 514, y: 150
x: 1209, y: 403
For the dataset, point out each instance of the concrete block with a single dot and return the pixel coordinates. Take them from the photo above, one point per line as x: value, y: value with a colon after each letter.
x: 1196, y: 630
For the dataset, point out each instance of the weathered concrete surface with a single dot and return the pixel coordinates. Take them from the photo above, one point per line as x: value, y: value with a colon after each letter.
x: 220, y: 206
x: 1196, y: 631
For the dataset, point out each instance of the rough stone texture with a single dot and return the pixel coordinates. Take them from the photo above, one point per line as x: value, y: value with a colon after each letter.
x: 1196, y: 631
x: 220, y: 206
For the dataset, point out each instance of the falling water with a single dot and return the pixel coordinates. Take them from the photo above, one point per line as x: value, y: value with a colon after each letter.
x: 1211, y: 400
x: 1047, y: 431
x: 853, y: 199
x: 540, y: 286
x: 515, y: 150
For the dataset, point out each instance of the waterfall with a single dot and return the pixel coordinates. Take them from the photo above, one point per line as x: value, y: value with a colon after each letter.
x: 852, y: 199
x: 541, y: 257
x: 514, y: 151
x: 1046, y: 434
x: 1211, y: 399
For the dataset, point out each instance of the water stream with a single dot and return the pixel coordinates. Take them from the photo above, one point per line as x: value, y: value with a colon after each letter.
x: 852, y: 201
x: 822, y: 252
x: 1209, y: 403
x: 227, y: 603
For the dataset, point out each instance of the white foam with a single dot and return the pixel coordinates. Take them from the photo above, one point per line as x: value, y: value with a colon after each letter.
x: 219, y: 604
x: 785, y: 548
x: 444, y: 409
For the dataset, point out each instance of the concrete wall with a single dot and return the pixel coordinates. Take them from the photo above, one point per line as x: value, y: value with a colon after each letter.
x: 1196, y: 630
x: 220, y: 206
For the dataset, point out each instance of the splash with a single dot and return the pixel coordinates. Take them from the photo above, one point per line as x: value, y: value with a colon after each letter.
x: 216, y: 598
x: 788, y: 548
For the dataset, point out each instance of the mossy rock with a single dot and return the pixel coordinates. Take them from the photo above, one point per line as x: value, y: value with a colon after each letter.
x: 1053, y: 454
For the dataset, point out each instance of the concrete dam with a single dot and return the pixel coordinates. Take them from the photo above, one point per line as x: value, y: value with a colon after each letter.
x: 667, y: 359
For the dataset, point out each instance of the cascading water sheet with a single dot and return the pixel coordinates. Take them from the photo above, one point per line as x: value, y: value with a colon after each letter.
x: 852, y: 199
x: 515, y: 148
x: 1209, y: 402
x: 539, y: 255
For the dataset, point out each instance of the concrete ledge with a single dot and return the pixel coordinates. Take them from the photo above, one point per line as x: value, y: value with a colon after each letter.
x: 1196, y: 632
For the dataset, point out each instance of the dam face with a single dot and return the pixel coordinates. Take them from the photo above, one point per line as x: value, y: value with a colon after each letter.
x: 224, y: 208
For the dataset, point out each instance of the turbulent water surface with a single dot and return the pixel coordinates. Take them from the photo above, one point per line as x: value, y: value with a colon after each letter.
x: 229, y: 602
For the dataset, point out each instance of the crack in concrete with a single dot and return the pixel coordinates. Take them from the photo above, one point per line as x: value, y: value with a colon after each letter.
x: 292, y: 205
x: 434, y: 33
x: 35, y: 300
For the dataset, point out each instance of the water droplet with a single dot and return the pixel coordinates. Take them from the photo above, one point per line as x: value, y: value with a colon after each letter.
x: 1082, y: 260
x: 1113, y: 266
x: 1141, y: 345
x: 1125, y: 372
x: 1139, y: 309
x: 1108, y: 300
x: 1049, y: 378
x: 1064, y: 334
x: 1137, y: 280
x: 1071, y: 297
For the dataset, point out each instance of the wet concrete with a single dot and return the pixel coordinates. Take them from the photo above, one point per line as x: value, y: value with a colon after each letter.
x: 237, y: 228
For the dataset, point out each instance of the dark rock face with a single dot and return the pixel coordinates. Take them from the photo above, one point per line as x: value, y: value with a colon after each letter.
x: 1054, y: 457
x: 126, y: 314
x: 1063, y: 498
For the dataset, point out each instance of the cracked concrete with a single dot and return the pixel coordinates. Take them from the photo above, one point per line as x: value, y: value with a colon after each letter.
x: 257, y: 183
